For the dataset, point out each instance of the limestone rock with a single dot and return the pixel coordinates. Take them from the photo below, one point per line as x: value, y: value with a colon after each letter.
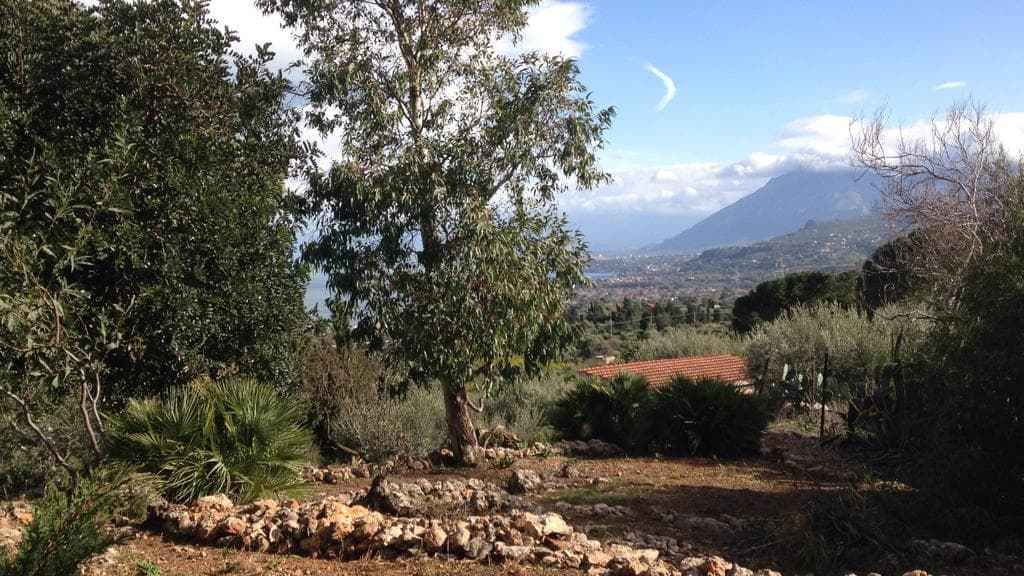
x: 523, y: 481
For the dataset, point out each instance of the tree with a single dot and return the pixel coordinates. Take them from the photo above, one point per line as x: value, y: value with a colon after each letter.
x: 144, y: 232
x: 948, y: 184
x: 888, y: 275
x: 437, y: 227
x: 770, y: 299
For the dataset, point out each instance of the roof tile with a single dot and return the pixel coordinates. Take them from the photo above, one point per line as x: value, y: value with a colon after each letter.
x: 725, y: 367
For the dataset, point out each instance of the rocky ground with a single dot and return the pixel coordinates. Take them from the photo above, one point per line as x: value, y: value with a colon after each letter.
x: 524, y: 513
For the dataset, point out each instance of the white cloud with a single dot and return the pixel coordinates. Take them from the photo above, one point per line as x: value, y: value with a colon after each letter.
x: 698, y: 189
x: 670, y: 85
x: 552, y: 28
x: 854, y: 96
x: 949, y: 85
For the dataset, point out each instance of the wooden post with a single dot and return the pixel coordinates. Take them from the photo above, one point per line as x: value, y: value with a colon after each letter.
x: 821, y: 399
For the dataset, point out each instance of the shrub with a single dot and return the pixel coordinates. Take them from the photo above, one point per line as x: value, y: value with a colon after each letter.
x: 67, y: 528
x: 683, y: 341
x: 377, y: 425
x: 524, y: 406
x: 707, y: 418
x: 614, y: 411
x: 236, y: 436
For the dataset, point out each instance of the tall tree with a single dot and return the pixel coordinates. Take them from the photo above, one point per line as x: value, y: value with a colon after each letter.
x: 144, y: 232
x: 437, y: 228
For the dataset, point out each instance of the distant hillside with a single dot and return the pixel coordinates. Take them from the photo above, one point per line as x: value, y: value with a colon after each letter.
x: 825, y: 246
x: 781, y: 206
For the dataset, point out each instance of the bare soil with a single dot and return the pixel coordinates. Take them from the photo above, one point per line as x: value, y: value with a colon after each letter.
x: 764, y: 495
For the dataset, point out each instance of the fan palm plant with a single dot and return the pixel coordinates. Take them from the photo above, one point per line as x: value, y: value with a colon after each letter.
x: 236, y: 436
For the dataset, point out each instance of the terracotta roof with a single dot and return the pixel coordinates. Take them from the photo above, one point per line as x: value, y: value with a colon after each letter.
x: 725, y: 367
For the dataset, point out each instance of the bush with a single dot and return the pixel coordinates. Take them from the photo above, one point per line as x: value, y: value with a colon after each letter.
x: 524, y: 406
x: 615, y: 411
x: 236, y: 436
x: 67, y: 528
x: 707, y: 418
x: 377, y: 425
x: 683, y: 341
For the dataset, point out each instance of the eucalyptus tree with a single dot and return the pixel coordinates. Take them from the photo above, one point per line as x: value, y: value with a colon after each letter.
x: 437, y: 226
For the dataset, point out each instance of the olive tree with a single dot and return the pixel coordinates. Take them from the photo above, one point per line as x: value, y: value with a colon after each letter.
x: 437, y: 226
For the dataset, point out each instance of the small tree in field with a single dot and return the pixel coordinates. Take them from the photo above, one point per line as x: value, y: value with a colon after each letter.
x: 438, y: 230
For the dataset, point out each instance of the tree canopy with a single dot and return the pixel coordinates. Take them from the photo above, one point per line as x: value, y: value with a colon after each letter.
x: 144, y: 232
x: 437, y: 227
x: 770, y: 299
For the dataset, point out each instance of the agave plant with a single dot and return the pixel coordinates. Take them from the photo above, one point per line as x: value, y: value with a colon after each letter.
x: 236, y: 436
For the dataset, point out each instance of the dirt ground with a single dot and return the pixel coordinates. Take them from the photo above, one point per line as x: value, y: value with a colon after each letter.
x: 760, y: 494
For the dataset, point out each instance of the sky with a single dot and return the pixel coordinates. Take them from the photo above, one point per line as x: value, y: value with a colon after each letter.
x: 715, y: 98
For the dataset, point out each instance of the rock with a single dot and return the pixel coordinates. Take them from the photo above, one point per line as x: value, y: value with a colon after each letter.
x: 478, y: 548
x: 507, y: 553
x: 915, y: 573
x: 553, y: 525
x: 434, y: 538
x: 739, y: 571
x: 459, y: 539
x: 523, y: 481
x: 705, y: 566
x: 570, y: 471
x: 766, y: 572
x: 597, y: 558
x: 233, y: 526
x: 216, y: 502
x: 701, y: 524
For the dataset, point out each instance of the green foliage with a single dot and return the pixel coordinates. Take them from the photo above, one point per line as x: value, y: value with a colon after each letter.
x: 684, y: 341
x: 524, y: 405
x: 860, y: 349
x: 142, y: 163
x: 67, y: 527
x: 708, y: 418
x: 888, y: 276
x: 700, y: 418
x: 615, y: 411
x: 770, y: 299
x: 235, y: 436
x: 438, y: 229
x: 147, y: 568
x: 841, y: 529
x: 378, y: 425
x: 967, y: 412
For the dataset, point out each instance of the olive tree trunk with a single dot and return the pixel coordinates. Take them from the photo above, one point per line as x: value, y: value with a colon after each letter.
x: 461, y: 431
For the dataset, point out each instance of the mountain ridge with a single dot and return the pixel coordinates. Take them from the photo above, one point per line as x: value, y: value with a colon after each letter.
x: 780, y: 207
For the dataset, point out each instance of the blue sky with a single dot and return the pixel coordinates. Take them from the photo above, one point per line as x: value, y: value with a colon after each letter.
x: 745, y: 69
x: 759, y: 89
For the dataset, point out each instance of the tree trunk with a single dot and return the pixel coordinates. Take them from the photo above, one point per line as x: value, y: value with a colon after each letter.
x: 461, y: 432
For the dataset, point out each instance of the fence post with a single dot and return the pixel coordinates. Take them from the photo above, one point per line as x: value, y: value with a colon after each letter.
x: 821, y: 399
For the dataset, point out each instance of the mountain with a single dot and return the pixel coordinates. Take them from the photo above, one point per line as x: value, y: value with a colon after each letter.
x: 824, y: 246
x: 781, y: 206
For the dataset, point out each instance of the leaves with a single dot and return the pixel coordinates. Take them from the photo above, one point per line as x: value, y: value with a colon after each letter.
x: 437, y: 227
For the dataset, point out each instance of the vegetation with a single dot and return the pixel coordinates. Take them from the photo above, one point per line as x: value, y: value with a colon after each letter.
x: 888, y: 276
x: 438, y: 230
x: 67, y: 528
x: 708, y: 417
x: 144, y: 235
x: 770, y: 299
x: 234, y: 436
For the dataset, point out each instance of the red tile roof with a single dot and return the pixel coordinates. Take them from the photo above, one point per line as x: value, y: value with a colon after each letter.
x: 725, y: 367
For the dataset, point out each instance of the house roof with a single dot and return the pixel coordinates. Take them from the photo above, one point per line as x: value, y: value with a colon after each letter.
x: 725, y: 367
